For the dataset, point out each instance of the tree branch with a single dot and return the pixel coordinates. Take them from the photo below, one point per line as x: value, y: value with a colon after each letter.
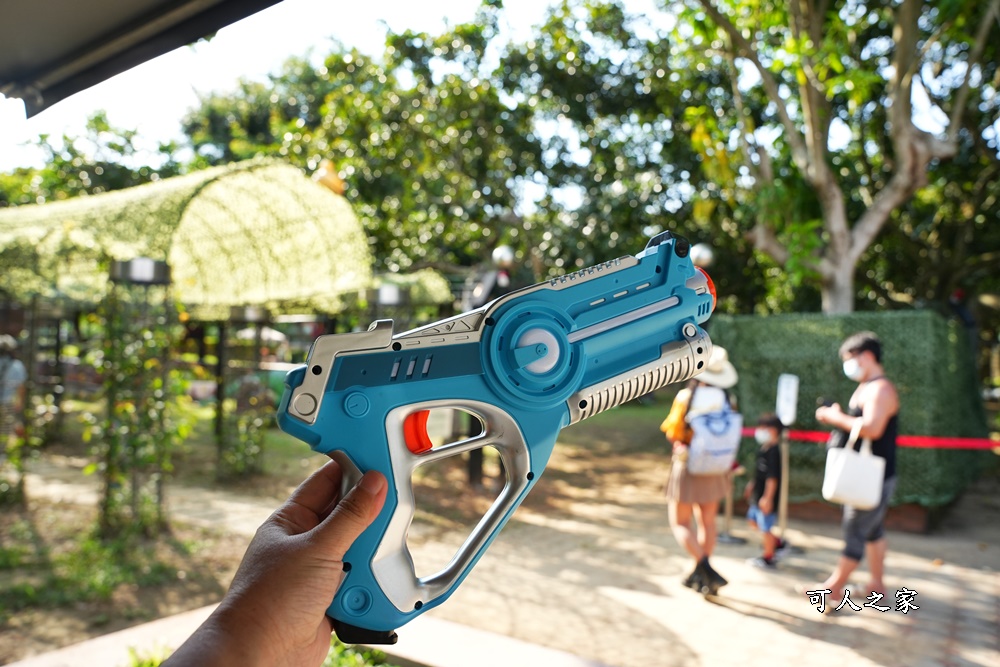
x: 887, y: 294
x: 764, y: 239
x: 816, y: 29
x: 928, y: 43
x: 900, y: 87
x: 977, y: 51
x: 766, y: 166
x: 743, y: 121
x: 816, y: 117
x: 866, y: 164
x: 988, y: 260
x: 799, y: 152
x: 803, y: 23
x: 913, y: 148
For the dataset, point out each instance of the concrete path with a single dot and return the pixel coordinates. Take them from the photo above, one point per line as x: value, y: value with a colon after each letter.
x: 603, y: 587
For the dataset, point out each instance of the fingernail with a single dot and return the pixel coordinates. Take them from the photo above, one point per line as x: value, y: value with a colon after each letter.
x: 372, y: 484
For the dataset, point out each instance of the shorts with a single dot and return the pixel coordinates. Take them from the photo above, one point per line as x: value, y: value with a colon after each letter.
x: 683, y: 487
x: 765, y: 522
x: 864, y: 526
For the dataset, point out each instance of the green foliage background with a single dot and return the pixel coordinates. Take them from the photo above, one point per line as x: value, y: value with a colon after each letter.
x: 613, y: 126
x: 925, y: 355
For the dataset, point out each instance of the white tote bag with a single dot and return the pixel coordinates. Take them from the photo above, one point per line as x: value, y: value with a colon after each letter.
x: 715, y: 442
x: 854, y: 478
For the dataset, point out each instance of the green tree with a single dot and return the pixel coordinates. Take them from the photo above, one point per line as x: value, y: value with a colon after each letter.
x: 948, y: 230
x: 622, y: 159
x: 430, y: 153
x: 943, y: 249
x: 104, y: 159
x: 826, y: 90
x: 232, y: 127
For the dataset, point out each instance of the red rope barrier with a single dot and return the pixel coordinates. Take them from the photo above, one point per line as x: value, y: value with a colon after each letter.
x: 919, y: 441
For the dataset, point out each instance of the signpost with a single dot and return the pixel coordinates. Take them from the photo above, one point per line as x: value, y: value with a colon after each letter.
x: 786, y: 408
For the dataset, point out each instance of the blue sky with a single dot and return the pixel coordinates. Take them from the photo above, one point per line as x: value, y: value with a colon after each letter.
x: 154, y: 96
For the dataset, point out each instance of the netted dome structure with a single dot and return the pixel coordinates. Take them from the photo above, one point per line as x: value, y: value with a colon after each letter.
x: 256, y: 232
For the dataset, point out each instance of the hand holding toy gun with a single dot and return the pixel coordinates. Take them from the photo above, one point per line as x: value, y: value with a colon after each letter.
x: 526, y: 365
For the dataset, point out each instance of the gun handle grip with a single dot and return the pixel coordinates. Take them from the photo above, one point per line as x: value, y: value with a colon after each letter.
x: 392, y: 561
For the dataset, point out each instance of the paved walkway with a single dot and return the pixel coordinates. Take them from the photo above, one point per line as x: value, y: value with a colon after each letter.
x: 603, y: 587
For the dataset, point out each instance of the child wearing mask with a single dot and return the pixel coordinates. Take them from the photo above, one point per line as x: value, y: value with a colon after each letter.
x: 763, y: 490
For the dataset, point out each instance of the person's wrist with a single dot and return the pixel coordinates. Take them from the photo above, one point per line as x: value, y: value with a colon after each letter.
x: 211, y: 645
x: 229, y: 622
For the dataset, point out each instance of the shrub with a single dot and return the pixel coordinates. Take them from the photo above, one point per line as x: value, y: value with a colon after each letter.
x: 927, y: 357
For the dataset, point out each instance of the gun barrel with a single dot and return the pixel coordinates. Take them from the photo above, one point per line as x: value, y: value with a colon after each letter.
x: 679, y: 361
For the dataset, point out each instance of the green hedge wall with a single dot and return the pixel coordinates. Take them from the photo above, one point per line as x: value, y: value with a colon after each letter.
x: 926, y: 356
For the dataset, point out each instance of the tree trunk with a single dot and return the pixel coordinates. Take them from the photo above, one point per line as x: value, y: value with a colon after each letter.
x: 838, y: 288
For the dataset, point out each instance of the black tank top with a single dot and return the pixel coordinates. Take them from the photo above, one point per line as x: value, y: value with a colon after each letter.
x: 884, y: 446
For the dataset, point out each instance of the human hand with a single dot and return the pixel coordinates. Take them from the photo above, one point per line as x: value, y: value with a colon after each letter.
x: 275, y: 610
x: 826, y: 413
x: 766, y: 505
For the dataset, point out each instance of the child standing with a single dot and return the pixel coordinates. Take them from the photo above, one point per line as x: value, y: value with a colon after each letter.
x: 763, y: 491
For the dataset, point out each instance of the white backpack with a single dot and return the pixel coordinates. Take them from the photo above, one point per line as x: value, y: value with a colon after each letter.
x: 716, y: 441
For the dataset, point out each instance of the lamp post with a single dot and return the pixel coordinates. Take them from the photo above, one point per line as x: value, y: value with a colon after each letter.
x: 140, y: 271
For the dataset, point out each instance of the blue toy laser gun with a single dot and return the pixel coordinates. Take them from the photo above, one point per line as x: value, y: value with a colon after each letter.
x: 526, y: 365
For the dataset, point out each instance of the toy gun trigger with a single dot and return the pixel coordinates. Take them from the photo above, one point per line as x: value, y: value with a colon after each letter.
x: 307, y: 398
x: 392, y: 565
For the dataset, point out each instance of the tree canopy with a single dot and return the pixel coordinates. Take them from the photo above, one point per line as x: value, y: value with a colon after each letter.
x: 824, y: 96
x: 823, y: 148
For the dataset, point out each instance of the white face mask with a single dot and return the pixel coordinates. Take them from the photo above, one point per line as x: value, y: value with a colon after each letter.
x: 762, y: 436
x: 852, y: 369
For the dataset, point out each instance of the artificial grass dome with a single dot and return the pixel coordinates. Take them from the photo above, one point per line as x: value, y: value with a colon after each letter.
x: 255, y: 232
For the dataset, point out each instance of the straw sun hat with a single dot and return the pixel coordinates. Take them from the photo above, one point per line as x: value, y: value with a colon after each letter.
x: 719, y: 372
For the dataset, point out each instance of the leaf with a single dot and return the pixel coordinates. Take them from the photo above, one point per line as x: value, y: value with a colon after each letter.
x: 833, y: 60
x: 703, y: 209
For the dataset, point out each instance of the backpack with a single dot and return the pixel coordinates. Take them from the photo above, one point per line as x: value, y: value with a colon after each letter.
x: 716, y: 440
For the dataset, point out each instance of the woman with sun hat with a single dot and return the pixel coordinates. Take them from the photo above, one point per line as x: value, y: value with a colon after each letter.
x: 697, y: 496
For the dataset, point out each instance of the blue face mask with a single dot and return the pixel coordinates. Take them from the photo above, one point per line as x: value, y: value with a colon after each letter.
x: 852, y: 369
x: 762, y: 436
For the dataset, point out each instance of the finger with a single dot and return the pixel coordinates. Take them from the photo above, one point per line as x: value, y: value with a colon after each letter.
x: 319, y: 490
x: 352, y: 515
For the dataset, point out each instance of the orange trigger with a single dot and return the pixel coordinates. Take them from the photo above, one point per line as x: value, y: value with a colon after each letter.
x: 415, y: 432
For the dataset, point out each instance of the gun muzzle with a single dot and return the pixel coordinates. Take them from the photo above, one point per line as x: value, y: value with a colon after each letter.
x: 702, y: 283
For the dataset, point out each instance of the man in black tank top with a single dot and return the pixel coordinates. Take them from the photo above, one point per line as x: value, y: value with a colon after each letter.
x: 876, y: 404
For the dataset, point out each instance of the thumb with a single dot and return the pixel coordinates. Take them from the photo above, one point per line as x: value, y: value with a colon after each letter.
x: 353, y: 514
